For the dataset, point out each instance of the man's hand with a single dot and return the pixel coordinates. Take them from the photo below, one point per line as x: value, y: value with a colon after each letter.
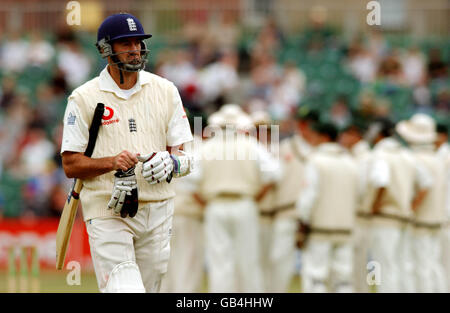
x: 124, y: 199
x: 124, y: 160
x: 157, y: 166
x: 302, y: 234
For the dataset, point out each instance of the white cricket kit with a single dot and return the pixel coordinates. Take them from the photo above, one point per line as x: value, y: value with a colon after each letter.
x: 186, y: 264
x: 231, y: 216
x: 428, y: 220
x: 444, y: 155
x: 395, y: 169
x: 145, y: 119
x: 278, y: 239
x: 270, y: 247
x: 328, y: 203
x: 362, y: 153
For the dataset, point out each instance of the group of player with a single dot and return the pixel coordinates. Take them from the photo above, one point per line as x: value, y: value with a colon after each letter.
x: 244, y: 202
x: 366, y: 205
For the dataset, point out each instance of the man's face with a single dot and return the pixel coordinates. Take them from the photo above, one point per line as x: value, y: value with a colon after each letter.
x: 441, y: 139
x: 128, y: 50
x: 349, y: 138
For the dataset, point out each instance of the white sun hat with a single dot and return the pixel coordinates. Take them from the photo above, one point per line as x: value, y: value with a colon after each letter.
x: 419, y: 129
x: 261, y: 118
x: 216, y: 119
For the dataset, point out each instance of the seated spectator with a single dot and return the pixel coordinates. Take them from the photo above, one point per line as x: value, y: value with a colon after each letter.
x: 73, y: 62
x: 361, y: 62
x: 413, y: 64
x: 14, y: 52
x: 218, y: 79
x: 36, y: 153
x: 40, y: 51
x: 7, y: 92
x: 437, y: 68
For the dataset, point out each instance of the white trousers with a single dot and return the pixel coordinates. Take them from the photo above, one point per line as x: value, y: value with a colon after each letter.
x: 429, y: 272
x: 265, y: 240
x: 186, y: 265
x: 407, y: 282
x: 232, y: 246
x: 361, y: 255
x: 386, y: 246
x: 327, y: 263
x: 278, y: 253
x: 143, y: 239
x: 445, y: 246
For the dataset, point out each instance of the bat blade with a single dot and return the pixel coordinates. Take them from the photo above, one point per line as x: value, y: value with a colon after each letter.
x: 66, y: 224
x: 70, y: 208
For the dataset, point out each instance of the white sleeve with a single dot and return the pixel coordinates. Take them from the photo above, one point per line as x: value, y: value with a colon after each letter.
x: 423, y: 177
x: 270, y: 168
x: 75, y: 131
x: 379, y: 173
x: 308, y: 196
x: 178, y: 131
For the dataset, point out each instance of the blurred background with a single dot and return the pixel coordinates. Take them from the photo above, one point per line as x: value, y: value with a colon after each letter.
x: 279, y: 56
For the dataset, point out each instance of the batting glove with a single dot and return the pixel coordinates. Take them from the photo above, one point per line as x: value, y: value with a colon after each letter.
x: 124, y: 197
x: 157, y: 167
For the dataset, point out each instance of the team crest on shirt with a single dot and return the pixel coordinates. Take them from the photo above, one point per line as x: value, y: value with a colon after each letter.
x: 132, y: 125
x: 108, y: 116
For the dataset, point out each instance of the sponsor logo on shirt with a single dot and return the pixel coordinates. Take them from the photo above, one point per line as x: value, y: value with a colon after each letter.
x: 108, y: 115
x: 71, y: 119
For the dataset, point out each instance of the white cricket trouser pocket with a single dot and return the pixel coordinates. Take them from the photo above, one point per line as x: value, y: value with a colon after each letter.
x: 143, y: 239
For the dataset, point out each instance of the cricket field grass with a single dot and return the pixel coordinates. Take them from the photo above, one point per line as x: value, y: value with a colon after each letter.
x: 52, y: 281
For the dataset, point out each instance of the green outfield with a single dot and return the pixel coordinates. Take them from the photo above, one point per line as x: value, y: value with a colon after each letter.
x: 53, y: 281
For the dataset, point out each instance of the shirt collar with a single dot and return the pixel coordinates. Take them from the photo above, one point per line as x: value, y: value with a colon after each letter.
x: 387, y: 143
x: 360, y: 147
x: 330, y: 147
x: 107, y: 83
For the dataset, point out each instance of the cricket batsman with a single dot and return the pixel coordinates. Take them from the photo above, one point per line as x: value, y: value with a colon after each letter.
x: 127, y: 198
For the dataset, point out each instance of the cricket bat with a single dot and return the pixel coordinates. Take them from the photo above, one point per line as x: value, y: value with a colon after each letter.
x: 70, y: 208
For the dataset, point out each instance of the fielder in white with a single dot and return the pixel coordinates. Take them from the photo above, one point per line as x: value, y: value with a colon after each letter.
x: 443, y: 152
x: 327, y: 204
x: 352, y: 139
x: 232, y: 172
x: 143, y: 126
x: 429, y: 214
x: 294, y: 152
x: 399, y: 181
x: 277, y: 227
x: 186, y: 266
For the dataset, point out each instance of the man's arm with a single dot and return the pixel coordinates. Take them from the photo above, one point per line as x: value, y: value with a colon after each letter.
x: 264, y: 190
x: 77, y: 165
x: 418, y: 199
x: 379, y: 177
x: 376, y: 206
